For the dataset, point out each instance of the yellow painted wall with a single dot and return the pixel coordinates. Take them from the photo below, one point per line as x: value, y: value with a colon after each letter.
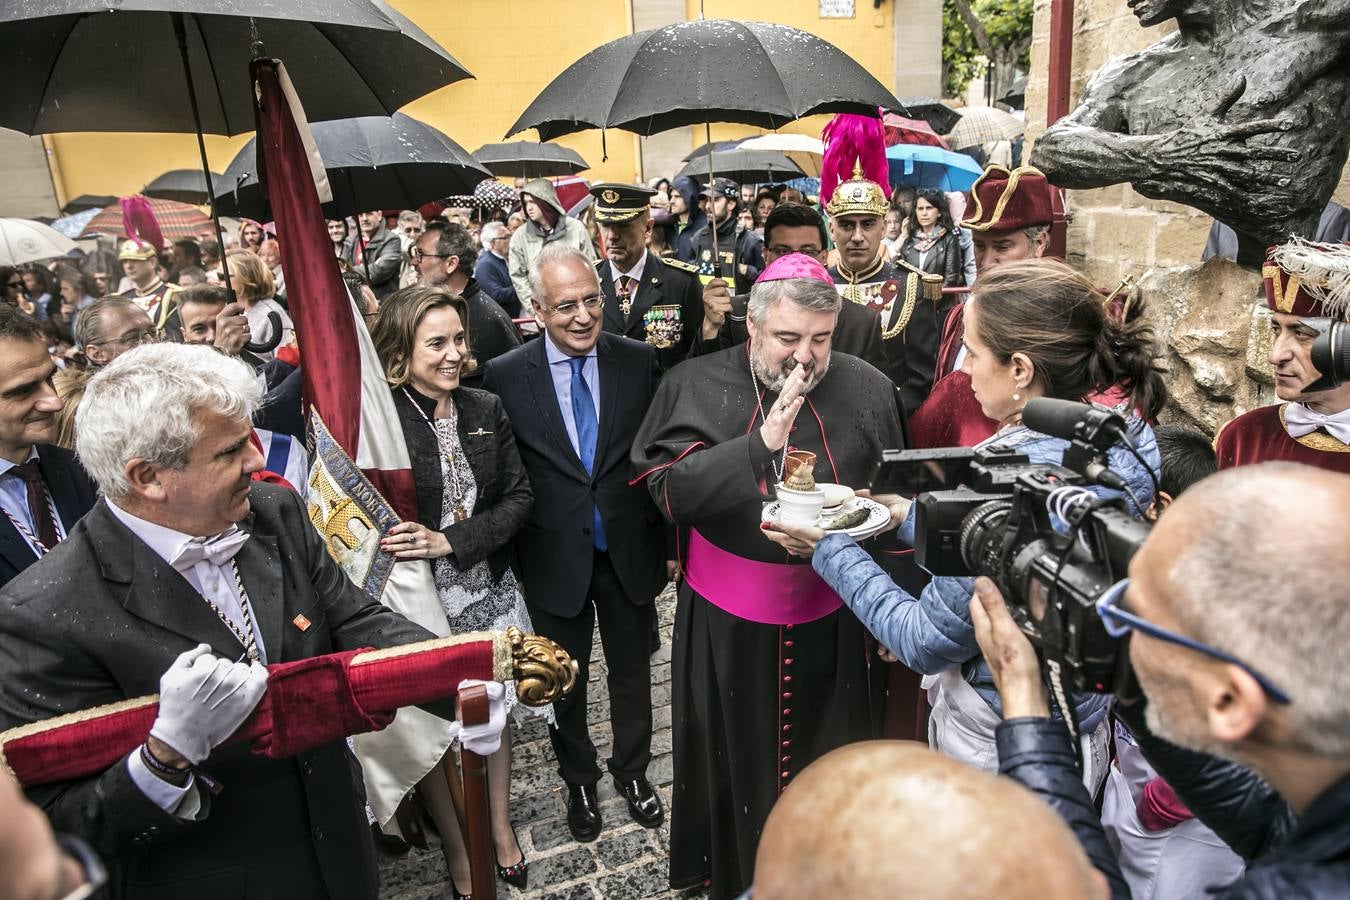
x: 514, y: 47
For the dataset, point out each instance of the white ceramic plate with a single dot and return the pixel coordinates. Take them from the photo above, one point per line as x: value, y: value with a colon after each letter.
x: 877, y: 519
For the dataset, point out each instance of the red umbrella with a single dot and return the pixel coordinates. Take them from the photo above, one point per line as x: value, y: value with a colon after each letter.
x: 900, y: 130
x: 176, y: 220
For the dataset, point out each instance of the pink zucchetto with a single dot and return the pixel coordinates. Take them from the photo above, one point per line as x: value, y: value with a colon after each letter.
x: 795, y: 265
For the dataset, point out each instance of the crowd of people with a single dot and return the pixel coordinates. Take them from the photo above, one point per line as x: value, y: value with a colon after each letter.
x: 595, y: 407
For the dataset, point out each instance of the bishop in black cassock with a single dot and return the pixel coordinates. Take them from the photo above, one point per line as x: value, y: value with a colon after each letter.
x: 756, y: 696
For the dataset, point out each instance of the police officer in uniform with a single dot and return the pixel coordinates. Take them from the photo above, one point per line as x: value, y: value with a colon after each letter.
x: 740, y: 252
x: 647, y: 298
x: 140, y: 263
x: 906, y: 298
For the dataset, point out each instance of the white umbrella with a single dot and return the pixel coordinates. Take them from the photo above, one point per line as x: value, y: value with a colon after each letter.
x: 24, y: 241
x: 802, y: 149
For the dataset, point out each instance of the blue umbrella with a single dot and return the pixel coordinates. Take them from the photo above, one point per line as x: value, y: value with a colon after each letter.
x: 931, y: 167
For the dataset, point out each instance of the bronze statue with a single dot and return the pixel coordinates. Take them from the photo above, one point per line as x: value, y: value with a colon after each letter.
x: 1241, y: 113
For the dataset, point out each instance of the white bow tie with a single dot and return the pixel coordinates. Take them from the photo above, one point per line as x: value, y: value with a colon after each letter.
x: 1299, y: 420
x: 217, y: 549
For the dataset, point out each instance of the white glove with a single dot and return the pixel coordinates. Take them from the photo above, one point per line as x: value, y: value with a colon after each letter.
x: 203, y: 699
x: 485, y: 739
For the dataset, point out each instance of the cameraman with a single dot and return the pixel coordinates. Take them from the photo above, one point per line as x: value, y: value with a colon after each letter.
x: 1033, y: 329
x: 1235, y: 644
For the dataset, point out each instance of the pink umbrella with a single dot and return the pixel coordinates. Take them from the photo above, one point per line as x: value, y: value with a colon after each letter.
x: 900, y: 130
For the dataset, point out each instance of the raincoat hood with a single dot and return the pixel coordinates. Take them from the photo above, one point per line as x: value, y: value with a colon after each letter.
x: 541, y: 189
x: 688, y: 189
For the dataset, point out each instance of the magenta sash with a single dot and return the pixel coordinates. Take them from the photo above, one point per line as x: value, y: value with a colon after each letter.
x: 770, y: 593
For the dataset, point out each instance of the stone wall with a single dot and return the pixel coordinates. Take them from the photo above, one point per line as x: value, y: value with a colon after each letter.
x: 1216, y: 339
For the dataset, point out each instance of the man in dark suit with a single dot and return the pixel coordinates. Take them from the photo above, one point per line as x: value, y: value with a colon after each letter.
x: 183, y: 568
x: 594, y: 547
x: 647, y: 298
x: 43, y: 490
x: 793, y: 228
x: 492, y: 272
x: 444, y: 256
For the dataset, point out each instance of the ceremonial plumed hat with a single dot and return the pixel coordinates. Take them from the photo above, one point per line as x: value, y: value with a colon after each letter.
x: 1005, y: 200
x: 854, y: 174
x: 620, y: 202
x: 1308, y: 279
x: 134, y: 249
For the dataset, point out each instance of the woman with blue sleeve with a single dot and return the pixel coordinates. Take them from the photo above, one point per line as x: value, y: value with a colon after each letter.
x: 1033, y: 329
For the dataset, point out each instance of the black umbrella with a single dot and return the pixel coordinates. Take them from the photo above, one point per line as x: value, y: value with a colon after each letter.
x: 182, y: 185
x: 88, y: 201
x: 1016, y: 97
x: 530, y: 159
x: 744, y: 166
x: 133, y: 65
x: 714, y: 70
x: 933, y: 111
x: 119, y: 65
x: 715, y: 146
x: 373, y: 162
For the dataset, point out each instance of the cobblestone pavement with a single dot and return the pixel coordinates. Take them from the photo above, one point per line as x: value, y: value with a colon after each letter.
x: 627, y: 861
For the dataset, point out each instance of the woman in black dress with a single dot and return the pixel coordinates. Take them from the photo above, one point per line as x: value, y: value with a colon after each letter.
x: 472, y: 497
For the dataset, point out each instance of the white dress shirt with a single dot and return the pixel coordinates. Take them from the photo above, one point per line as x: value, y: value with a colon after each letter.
x: 211, y: 581
x: 634, y: 273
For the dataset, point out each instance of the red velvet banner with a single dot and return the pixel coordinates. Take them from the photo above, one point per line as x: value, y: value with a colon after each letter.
x: 308, y: 703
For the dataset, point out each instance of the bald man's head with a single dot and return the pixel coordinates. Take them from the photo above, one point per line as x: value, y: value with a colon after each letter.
x: 1256, y: 562
x: 882, y: 819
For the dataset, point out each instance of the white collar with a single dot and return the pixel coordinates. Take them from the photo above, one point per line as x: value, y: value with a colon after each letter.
x: 166, y: 542
x: 634, y: 273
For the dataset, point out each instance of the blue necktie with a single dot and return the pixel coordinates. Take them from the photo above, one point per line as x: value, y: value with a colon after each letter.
x: 583, y: 415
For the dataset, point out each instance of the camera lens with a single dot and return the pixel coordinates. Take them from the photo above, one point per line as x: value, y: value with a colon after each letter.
x: 982, y: 537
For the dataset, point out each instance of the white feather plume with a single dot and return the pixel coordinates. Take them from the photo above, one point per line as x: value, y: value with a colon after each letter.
x: 1323, y: 269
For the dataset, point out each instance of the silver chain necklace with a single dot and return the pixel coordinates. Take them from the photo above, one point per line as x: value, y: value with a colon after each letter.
x: 456, y: 492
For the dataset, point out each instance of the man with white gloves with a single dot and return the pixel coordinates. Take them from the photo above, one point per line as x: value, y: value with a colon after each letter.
x: 188, y: 578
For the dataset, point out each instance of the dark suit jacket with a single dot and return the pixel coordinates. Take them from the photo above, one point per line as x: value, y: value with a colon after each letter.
x: 73, y: 492
x: 504, y: 495
x: 493, y: 275
x: 555, y: 545
x: 664, y: 283
x: 102, y: 617
x: 857, y: 332
x: 491, y: 331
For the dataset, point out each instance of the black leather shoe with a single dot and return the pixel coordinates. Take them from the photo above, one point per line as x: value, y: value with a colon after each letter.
x: 583, y: 812
x: 643, y: 803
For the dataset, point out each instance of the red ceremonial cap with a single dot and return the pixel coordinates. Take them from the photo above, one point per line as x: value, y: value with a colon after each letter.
x: 1003, y: 200
x: 1308, y: 279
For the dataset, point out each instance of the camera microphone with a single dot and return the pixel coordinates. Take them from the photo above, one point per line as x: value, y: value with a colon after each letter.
x: 1082, y: 424
x: 1072, y: 421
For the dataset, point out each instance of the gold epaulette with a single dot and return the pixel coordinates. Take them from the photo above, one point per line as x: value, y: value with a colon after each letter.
x: 680, y: 264
x: 932, y: 284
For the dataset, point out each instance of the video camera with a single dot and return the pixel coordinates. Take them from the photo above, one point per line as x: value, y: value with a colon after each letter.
x: 1331, y: 357
x: 1051, y: 546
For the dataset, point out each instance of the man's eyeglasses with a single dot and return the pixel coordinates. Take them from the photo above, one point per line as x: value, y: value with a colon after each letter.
x: 1119, y: 623
x: 16, y: 285
x: 130, y: 339
x: 572, y: 307
x: 780, y: 250
x: 416, y: 254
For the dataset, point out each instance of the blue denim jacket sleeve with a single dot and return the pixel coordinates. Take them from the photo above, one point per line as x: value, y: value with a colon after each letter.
x: 929, y: 633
